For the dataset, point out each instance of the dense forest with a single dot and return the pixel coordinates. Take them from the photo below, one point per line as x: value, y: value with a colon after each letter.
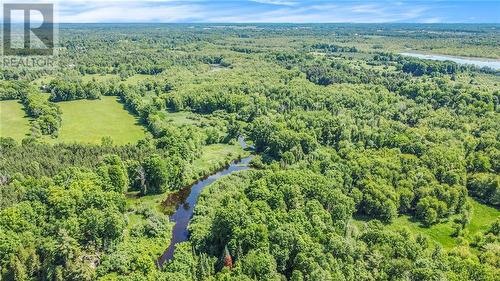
x: 348, y: 136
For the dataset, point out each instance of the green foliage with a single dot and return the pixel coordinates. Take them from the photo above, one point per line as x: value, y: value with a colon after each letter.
x: 340, y: 129
x: 49, y: 160
x: 273, y: 240
x: 54, y: 221
x: 419, y: 68
x: 485, y: 186
x: 156, y: 175
x: 72, y: 90
x: 46, y: 115
x: 259, y: 266
x: 11, y: 90
x: 115, y: 173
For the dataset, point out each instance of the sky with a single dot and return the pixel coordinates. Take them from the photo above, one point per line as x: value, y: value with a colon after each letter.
x: 277, y: 11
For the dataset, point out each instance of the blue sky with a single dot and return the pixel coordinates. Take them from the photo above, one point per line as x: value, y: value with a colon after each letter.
x: 294, y: 11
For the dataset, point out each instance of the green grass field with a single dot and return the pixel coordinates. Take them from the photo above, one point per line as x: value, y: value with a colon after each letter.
x: 88, y: 121
x: 482, y: 218
x: 13, y: 120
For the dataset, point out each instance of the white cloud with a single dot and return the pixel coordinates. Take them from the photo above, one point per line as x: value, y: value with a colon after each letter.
x: 131, y: 12
x: 431, y: 20
x: 277, y: 2
x: 244, y: 11
x: 323, y: 13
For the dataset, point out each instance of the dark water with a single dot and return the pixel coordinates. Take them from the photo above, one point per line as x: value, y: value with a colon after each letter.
x: 185, y: 199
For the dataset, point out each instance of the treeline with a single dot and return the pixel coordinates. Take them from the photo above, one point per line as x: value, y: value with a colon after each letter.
x: 218, y: 60
x: 245, y: 50
x: 153, y: 166
x: 66, y: 90
x: 327, y: 71
x: 208, y: 102
x: 38, y: 160
x: 419, y: 67
x: 46, y: 115
x: 428, y: 67
x: 12, y: 90
x: 485, y: 186
x: 334, y: 48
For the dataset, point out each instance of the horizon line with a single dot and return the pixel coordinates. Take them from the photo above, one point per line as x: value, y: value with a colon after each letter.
x: 276, y: 23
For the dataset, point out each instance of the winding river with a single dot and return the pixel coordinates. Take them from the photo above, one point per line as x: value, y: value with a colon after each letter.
x: 479, y: 62
x: 184, y: 201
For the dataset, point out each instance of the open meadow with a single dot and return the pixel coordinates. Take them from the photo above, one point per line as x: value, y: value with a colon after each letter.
x: 13, y: 120
x: 442, y: 233
x: 83, y: 121
x: 88, y: 121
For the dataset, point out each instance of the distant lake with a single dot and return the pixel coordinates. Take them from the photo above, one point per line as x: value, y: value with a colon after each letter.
x: 479, y: 62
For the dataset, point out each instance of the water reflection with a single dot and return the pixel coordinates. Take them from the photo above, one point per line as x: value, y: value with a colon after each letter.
x: 180, y: 205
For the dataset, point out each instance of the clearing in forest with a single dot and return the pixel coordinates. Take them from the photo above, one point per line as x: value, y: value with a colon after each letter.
x: 88, y: 121
x: 13, y: 120
x: 482, y: 218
